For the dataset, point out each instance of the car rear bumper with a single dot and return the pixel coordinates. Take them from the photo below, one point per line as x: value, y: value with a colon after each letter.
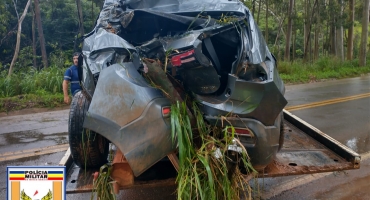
x: 263, y: 146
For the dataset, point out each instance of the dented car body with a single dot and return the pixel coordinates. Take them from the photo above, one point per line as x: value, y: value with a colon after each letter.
x: 214, y: 49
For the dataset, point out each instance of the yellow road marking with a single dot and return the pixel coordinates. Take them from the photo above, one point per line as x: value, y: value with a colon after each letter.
x: 327, y: 102
x: 33, y: 152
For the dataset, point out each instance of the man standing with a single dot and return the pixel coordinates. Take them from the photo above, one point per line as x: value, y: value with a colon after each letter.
x: 71, y: 76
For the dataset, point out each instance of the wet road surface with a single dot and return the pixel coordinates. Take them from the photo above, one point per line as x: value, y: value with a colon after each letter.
x: 347, y: 121
x: 30, y: 131
x: 38, y: 139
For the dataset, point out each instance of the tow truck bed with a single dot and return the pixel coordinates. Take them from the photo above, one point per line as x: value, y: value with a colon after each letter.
x: 306, y: 150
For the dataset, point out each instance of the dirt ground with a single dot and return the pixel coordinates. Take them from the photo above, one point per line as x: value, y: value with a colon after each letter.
x: 32, y: 110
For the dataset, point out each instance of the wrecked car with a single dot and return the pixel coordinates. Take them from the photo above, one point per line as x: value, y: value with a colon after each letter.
x: 213, y: 48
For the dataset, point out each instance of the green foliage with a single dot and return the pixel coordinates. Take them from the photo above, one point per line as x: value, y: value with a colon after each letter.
x: 25, y: 58
x: 59, y: 58
x: 31, y: 81
x: 4, y: 16
x: 205, y: 172
x: 323, y: 68
x: 103, y: 184
x: 60, y: 25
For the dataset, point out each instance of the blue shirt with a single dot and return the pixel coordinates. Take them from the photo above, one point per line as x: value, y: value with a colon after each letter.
x: 71, y: 75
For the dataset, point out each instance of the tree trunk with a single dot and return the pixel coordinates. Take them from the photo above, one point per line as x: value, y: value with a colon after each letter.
x: 289, y: 31
x: 259, y: 11
x: 253, y: 7
x: 317, y: 34
x: 305, y: 25
x: 364, y: 34
x: 33, y: 38
x: 20, y: 20
x: 80, y: 18
x: 351, y: 21
x: 15, y: 8
x: 294, y: 33
x: 316, y: 45
x: 339, y: 32
x: 41, y: 34
x: 333, y: 43
x: 308, y: 39
x: 309, y: 55
x: 276, y: 44
x: 294, y: 44
x: 326, y: 45
x: 267, y: 22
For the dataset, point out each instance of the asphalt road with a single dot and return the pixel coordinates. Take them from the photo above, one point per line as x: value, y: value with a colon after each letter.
x: 339, y: 108
x: 343, y: 110
x: 36, y: 139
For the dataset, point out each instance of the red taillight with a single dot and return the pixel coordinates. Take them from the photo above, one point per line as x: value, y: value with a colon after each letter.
x: 179, y: 59
x: 166, y: 111
x: 242, y: 131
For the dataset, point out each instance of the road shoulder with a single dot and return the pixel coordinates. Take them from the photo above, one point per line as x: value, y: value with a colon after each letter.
x: 32, y: 111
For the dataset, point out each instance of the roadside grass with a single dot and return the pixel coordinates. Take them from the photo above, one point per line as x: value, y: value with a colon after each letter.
x: 31, y: 88
x: 325, y: 68
x: 20, y: 102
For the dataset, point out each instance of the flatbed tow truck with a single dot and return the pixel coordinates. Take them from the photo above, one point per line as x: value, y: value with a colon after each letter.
x: 306, y: 150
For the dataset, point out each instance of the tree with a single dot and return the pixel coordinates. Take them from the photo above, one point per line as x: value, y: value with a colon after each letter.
x: 317, y: 33
x: 253, y: 7
x: 259, y: 11
x: 289, y: 31
x: 306, y: 22
x: 5, y: 21
x: 333, y: 43
x: 20, y: 20
x: 41, y: 34
x: 80, y: 17
x: 351, y: 21
x: 309, y: 26
x: 33, y: 39
x: 339, y: 32
x: 364, y: 34
x: 267, y: 22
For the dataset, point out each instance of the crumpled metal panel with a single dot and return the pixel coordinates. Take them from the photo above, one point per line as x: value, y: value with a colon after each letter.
x: 113, y: 11
x: 100, y: 48
x: 262, y: 101
x: 124, y: 109
x: 259, y: 50
x: 104, y: 40
x: 121, y: 94
x: 178, y: 43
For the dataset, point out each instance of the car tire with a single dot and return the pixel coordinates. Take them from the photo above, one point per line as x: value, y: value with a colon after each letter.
x: 281, y: 137
x: 88, y: 149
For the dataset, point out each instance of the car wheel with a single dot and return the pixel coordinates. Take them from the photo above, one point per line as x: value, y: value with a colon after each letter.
x: 281, y: 137
x: 88, y: 149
